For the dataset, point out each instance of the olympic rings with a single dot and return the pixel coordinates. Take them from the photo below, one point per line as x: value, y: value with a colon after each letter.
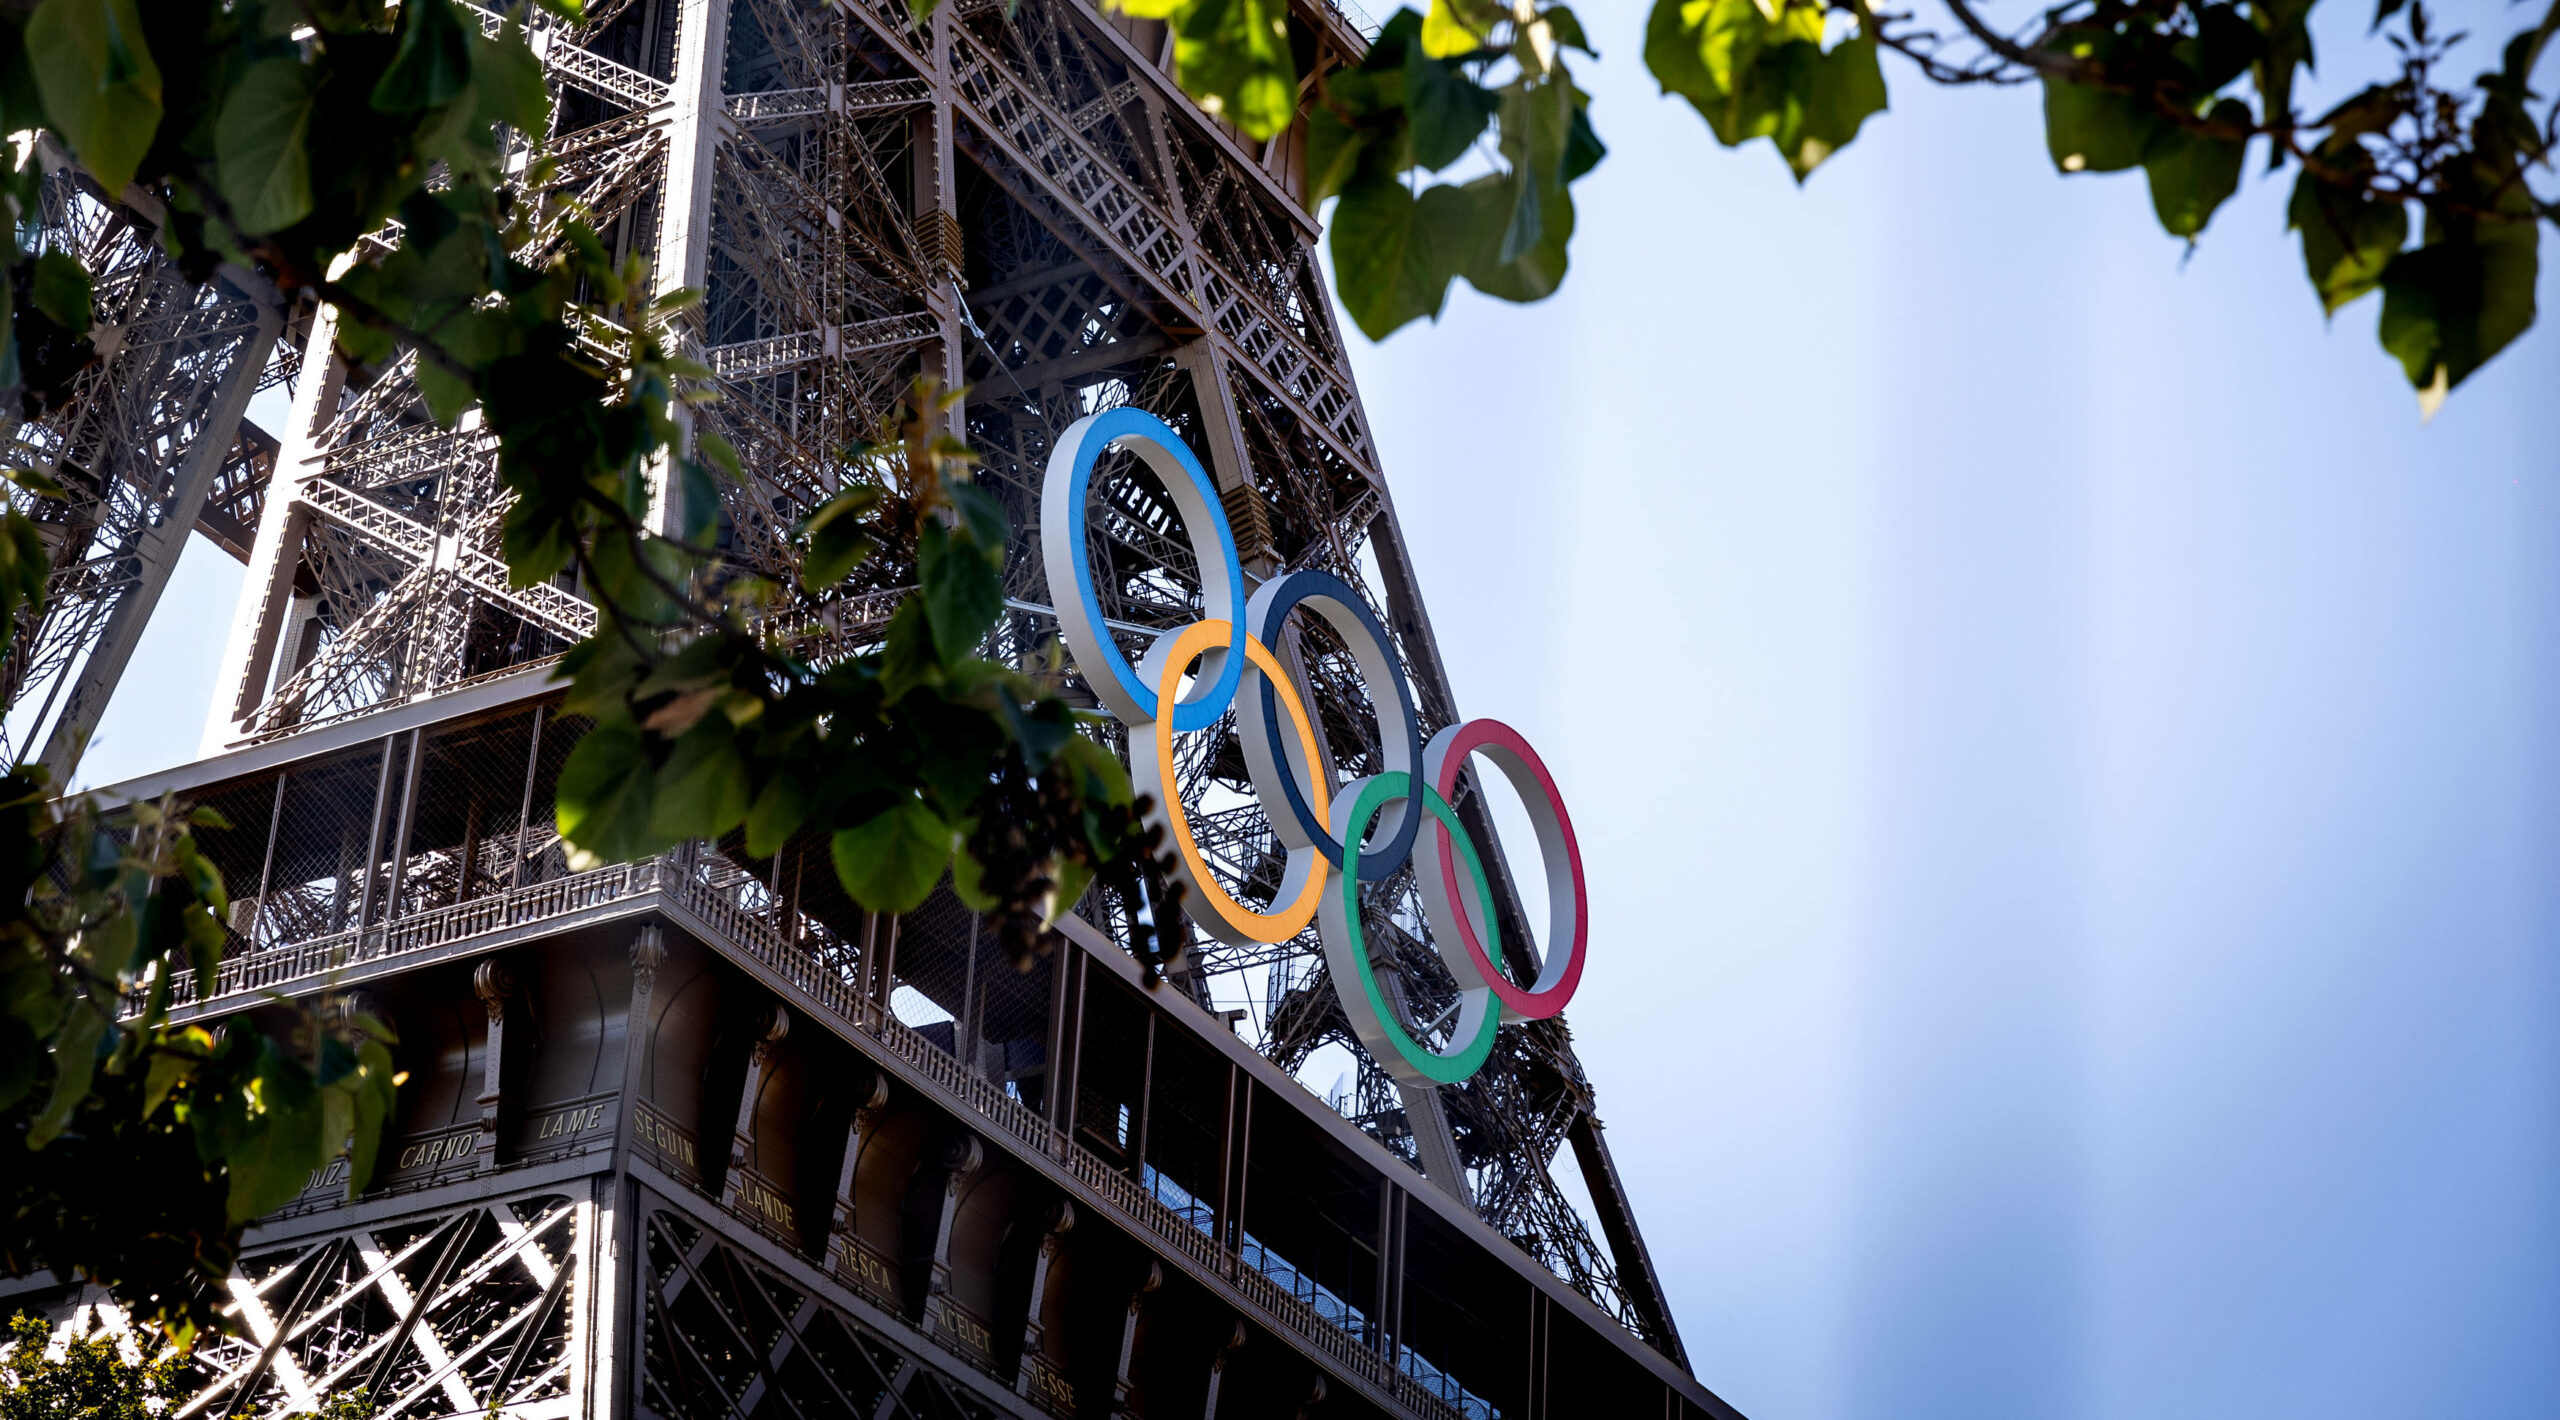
x: 1080, y: 618
x: 1322, y: 831
x: 1298, y: 824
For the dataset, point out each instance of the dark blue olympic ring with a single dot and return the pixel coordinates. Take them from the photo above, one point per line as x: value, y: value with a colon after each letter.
x: 1292, y: 817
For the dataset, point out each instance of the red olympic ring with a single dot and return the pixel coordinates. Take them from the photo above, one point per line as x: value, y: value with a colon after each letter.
x: 1568, y: 910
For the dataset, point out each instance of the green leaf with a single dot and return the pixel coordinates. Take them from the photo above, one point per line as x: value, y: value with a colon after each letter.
x: 1335, y: 150
x: 2193, y: 173
x: 506, y: 78
x: 2285, y: 46
x: 2453, y: 302
x: 61, y: 290
x: 702, y: 788
x: 603, y: 671
x: 982, y: 519
x: 1521, y: 232
x: 1447, y: 33
x: 100, y: 85
x: 1755, y: 73
x: 908, y: 657
x: 1583, y: 149
x: 260, y: 148
x: 2095, y: 130
x: 167, y: 1071
x: 446, y: 393
x: 1824, y: 110
x: 271, y: 1158
x: 786, y: 802
x: 1393, y: 256
x: 1674, y: 55
x: 2369, y: 110
x: 1567, y: 28
x: 432, y: 66
x: 75, y: 1063
x: 1447, y: 110
x: 1233, y: 57
x: 107, y: 948
x: 337, y: 1120
x: 606, y: 795
x: 2224, y: 46
x: 969, y: 880
x: 963, y: 592
x: 2347, y: 238
x: 891, y: 863
x: 19, y: 1055
x: 1069, y: 878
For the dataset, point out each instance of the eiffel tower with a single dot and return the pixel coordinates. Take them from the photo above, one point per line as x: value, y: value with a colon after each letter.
x: 698, y: 1136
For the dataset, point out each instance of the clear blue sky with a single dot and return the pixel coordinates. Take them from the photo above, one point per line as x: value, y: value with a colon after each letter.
x: 2065, y: 760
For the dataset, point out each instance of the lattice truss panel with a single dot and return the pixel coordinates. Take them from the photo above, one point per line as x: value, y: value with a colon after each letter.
x: 459, y: 1313
x: 815, y: 312
x: 724, y: 1334
x: 394, y: 584
x: 150, y: 440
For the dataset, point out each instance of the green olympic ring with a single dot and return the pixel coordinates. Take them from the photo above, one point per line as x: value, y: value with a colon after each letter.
x: 1380, y: 1028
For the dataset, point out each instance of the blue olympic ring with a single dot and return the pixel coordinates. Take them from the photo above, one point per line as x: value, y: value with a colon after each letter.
x: 1266, y: 750
x: 1063, y: 535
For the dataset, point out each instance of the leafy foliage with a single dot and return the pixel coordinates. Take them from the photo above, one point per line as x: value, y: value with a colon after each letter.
x: 90, y: 1377
x: 1428, y: 95
x: 136, y: 1148
x: 1753, y: 73
x: 1236, y: 54
x: 2181, y: 89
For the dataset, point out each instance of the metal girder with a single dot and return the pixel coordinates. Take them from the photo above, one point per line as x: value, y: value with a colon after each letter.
x: 561, y: 612
x: 453, y: 1314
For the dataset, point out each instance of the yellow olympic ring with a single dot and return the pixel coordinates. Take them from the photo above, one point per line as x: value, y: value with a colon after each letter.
x: 1302, y: 883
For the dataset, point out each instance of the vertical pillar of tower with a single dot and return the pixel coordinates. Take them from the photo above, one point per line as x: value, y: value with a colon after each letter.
x: 267, y: 595
x: 493, y: 984
x: 843, y: 1251
x: 607, y: 1318
x: 1037, y: 1378
x: 961, y: 1162
x: 695, y: 122
x: 1248, y: 516
x: 158, y: 546
x: 1218, y: 1369
x: 1124, y: 1377
x: 742, y: 1136
x: 937, y: 209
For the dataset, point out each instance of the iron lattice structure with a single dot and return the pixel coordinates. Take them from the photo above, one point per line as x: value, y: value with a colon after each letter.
x: 1020, y: 203
x: 151, y: 441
